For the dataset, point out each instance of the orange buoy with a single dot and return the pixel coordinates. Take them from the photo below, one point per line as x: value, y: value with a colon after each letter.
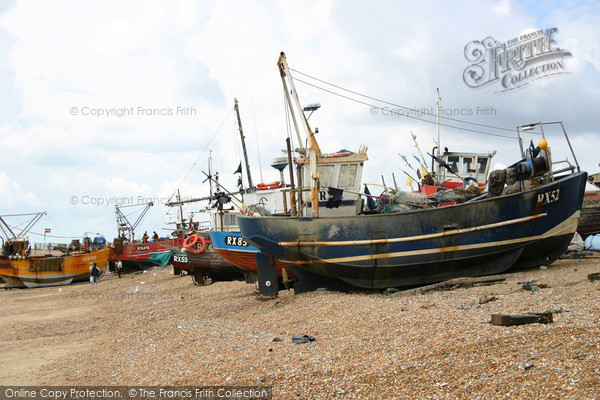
x: 201, y: 249
x: 190, y: 241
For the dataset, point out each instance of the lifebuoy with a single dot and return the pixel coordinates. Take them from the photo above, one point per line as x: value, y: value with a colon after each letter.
x: 259, y: 185
x: 272, y: 185
x: 190, y: 241
x: 201, y: 249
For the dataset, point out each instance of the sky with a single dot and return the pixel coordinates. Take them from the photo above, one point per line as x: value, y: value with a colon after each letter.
x: 123, y: 102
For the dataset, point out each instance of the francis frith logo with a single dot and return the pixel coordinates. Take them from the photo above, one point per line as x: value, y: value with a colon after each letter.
x: 515, y: 63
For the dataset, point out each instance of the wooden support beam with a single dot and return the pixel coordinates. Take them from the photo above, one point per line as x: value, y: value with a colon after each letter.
x: 522, y: 319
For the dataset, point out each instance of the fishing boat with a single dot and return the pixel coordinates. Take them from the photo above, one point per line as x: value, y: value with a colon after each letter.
x: 589, y: 223
x: 344, y: 172
x: 213, y: 258
x: 200, y: 260
x: 196, y: 255
x: 20, y: 269
x: 234, y: 249
x: 145, y: 252
x: 529, y: 223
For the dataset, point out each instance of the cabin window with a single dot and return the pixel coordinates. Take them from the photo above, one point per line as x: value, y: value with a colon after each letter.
x: 453, y: 162
x: 467, y: 164
x: 230, y: 219
x: 348, y: 175
x: 325, y: 175
x: 482, y: 165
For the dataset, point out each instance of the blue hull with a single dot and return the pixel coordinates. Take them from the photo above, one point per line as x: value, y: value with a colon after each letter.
x: 470, y: 239
x: 231, y: 241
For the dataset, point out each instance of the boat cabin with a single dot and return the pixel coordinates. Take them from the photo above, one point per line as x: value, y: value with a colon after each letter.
x: 18, y: 248
x: 469, y: 166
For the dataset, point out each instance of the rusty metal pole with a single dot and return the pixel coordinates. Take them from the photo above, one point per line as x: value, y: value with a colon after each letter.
x: 290, y: 167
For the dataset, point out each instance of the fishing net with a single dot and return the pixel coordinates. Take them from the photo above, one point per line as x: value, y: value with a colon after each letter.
x: 458, y: 195
x: 402, y: 202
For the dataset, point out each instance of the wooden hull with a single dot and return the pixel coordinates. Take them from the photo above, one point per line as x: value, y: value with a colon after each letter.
x: 206, y: 264
x: 399, y: 249
x: 51, y: 271
x: 589, y: 223
x: 234, y: 249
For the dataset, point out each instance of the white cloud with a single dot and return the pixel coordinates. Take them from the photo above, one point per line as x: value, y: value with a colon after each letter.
x: 14, y: 196
x: 502, y: 8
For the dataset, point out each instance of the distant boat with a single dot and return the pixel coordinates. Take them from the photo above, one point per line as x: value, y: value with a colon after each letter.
x: 19, y: 269
x: 147, y: 252
x: 589, y: 223
x: 51, y: 271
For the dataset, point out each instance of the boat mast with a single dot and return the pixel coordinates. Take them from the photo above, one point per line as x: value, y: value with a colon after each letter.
x: 210, y: 184
x: 237, y: 113
x: 314, y: 150
x: 437, y: 120
x: 287, y: 98
x: 438, y: 100
x: 181, y: 212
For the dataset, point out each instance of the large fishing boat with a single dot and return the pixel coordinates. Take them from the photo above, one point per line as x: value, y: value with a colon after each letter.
x: 19, y: 268
x: 529, y: 223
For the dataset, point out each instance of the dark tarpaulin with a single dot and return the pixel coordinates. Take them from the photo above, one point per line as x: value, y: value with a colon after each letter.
x: 335, y: 197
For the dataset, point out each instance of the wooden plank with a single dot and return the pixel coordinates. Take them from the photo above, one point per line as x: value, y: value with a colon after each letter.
x: 594, y: 277
x: 522, y: 319
x: 453, y: 284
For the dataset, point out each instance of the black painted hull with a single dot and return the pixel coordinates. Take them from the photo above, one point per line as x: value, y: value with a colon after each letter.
x: 470, y: 239
x: 206, y: 264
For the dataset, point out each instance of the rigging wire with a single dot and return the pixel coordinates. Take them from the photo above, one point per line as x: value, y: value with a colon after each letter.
x: 398, y: 105
x: 406, y: 108
x: 410, y: 116
x: 256, y: 137
x: 287, y: 122
x: 201, y: 154
x: 194, y: 164
x: 48, y: 236
x: 57, y: 228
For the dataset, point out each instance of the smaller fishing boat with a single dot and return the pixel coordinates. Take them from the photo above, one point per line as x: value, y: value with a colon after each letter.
x: 234, y: 249
x: 198, y: 258
x: 19, y: 268
x: 147, y: 252
x: 589, y: 222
